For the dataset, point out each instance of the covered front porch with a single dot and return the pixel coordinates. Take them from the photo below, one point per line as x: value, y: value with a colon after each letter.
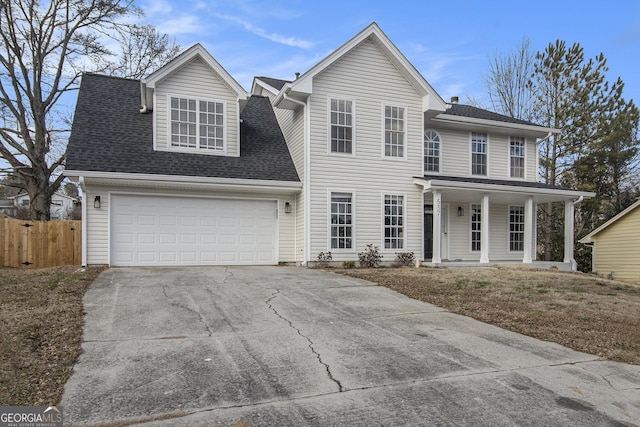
x: 484, y: 221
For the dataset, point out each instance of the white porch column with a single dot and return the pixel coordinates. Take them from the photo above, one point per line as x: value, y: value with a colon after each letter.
x: 484, y: 230
x: 437, y: 225
x: 569, y: 209
x: 528, y: 230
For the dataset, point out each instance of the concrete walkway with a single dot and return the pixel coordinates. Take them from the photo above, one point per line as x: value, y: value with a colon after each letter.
x: 266, y: 346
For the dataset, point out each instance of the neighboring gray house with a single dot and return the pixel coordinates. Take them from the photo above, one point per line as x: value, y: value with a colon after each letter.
x: 186, y: 168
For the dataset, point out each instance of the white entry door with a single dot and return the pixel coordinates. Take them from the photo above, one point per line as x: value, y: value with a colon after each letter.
x: 166, y: 231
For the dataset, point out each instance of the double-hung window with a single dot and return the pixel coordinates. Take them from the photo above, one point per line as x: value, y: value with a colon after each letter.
x: 341, y: 221
x: 516, y: 157
x: 478, y: 153
x: 516, y: 228
x: 393, y: 222
x: 394, y: 131
x: 196, y: 124
x: 476, y: 226
x: 341, y: 126
x: 431, y: 151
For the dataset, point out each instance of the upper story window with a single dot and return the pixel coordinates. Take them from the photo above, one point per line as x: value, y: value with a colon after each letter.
x: 341, y: 126
x: 516, y: 157
x: 478, y: 153
x: 197, y: 124
x: 394, y: 131
x: 431, y: 151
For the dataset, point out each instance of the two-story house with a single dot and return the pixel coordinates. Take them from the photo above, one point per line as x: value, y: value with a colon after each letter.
x: 186, y: 168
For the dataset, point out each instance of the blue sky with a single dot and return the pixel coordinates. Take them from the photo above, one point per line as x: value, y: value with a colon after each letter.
x: 449, y: 42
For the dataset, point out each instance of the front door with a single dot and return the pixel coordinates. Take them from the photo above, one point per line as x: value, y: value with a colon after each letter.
x: 428, y: 232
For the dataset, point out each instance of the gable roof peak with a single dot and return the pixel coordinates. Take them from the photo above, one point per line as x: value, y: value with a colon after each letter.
x: 195, y: 51
x: 373, y: 32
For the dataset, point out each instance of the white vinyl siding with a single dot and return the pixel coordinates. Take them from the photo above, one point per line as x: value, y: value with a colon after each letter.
x: 196, y: 81
x: 367, y: 76
x: 292, y: 125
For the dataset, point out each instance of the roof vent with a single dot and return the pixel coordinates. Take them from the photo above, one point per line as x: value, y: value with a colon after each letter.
x: 297, y: 73
x: 455, y: 99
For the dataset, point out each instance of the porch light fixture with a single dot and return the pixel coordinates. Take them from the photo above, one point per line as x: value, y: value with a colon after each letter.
x: 460, y: 211
x: 96, y: 202
x: 287, y: 207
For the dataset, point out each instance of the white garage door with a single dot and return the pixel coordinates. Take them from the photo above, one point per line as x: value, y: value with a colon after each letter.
x: 154, y: 230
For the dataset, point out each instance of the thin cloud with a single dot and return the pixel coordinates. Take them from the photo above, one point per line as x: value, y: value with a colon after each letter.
x: 188, y: 24
x: 274, y: 37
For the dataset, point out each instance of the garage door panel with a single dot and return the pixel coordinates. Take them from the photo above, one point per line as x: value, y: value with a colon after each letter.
x: 155, y: 230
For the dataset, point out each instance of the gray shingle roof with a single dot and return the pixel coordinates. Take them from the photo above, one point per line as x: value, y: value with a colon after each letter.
x: 274, y: 83
x: 110, y: 134
x: 479, y: 113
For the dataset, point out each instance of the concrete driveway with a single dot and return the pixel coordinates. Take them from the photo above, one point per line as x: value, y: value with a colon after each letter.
x: 267, y: 346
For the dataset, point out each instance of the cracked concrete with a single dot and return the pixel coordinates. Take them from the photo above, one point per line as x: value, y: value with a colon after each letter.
x: 313, y: 350
x: 293, y: 346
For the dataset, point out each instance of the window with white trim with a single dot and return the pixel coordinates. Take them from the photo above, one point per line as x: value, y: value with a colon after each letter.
x: 478, y: 153
x: 516, y: 228
x: 341, y: 126
x: 516, y: 157
x: 341, y: 221
x: 476, y: 226
x: 393, y: 222
x: 197, y: 124
x: 394, y: 131
x: 431, y: 151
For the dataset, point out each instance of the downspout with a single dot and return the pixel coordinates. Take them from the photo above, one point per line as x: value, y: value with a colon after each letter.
x: 84, y: 221
x: 306, y: 180
x: 143, y: 97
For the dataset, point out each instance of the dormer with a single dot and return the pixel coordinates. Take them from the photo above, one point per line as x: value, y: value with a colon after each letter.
x: 195, y: 105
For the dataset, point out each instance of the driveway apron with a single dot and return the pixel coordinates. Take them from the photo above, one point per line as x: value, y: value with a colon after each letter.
x: 266, y: 346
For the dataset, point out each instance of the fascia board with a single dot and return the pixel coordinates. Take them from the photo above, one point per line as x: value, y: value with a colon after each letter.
x: 134, y: 179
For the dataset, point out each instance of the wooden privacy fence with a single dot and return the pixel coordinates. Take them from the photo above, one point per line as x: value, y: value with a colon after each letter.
x: 40, y: 243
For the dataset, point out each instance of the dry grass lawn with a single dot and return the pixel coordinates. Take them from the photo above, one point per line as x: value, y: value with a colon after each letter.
x: 41, y: 316
x: 582, y: 312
